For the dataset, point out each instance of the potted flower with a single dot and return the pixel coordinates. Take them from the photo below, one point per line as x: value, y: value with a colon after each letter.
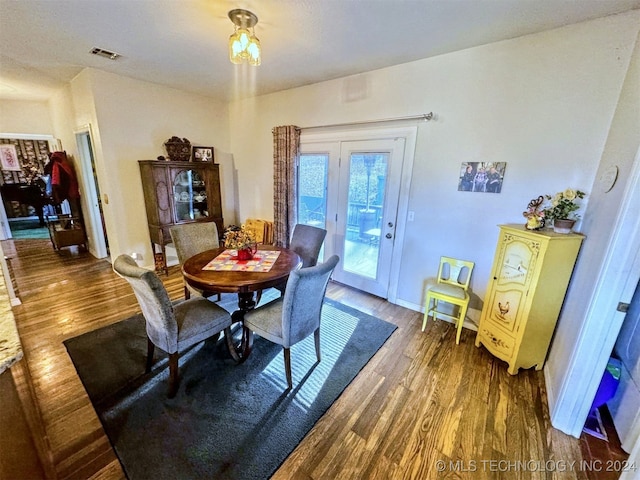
x: 563, y: 209
x: 241, y: 239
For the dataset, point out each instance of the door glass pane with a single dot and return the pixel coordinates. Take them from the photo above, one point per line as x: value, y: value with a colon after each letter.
x: 367, y: 180
x: 190, y: 196
x: 312, y: 189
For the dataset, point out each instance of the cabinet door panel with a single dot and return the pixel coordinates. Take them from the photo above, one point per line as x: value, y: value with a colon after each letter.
x: 517, y: 261
x: 506, y: 308
x: 515, y: 265
x: 164, y: 205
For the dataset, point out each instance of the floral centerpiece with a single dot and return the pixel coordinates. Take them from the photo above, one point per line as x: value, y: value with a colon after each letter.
x: 241, y: 239
x: 563, y: 209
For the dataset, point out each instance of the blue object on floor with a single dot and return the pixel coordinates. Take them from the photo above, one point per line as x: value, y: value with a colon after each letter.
x: 608, y: 384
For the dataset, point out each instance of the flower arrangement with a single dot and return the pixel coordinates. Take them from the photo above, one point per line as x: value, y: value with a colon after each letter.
x: 239, y: 238
x: 563, y: 205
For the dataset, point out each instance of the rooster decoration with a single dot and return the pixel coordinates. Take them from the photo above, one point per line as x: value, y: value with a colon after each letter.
x: 504, y: 309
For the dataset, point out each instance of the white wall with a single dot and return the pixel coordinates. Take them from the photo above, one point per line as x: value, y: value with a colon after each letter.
x: 542, y: 103
x: 589, y: 322
x: 22, y: 116
x: 130, y: 121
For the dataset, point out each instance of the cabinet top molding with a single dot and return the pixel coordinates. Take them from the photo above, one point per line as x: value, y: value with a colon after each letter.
x: 545, y: 232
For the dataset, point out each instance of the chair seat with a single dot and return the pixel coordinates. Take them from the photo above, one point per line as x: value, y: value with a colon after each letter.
x: 448, y: 290
x: 199, y: 319
x: 270, y: 318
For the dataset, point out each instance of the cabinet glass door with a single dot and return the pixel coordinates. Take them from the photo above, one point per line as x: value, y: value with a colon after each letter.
x: 190, y: 196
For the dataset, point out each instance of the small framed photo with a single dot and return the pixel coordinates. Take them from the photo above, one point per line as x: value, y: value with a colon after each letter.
x: 484, y: 177
x: 9, y: 158
x: 202, y: 154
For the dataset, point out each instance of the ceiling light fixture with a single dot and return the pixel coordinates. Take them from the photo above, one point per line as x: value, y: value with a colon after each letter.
x: 243, y: 44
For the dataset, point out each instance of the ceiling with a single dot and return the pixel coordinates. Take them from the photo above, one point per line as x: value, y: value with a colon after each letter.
x: 183, y: 43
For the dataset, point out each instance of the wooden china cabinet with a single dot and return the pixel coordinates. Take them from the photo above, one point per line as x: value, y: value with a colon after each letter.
x: 529, y: 278
x: 179, y: 192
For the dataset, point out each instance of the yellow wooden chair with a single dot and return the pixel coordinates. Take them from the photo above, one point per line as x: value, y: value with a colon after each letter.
x: 451, y: 287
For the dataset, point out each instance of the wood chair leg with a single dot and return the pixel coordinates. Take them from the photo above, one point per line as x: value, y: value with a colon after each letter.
x: 426, y: 312
x: 150, y: 349
x: 187, y: 293
x: 174, y: 379
x: 316, y: 337
x: 460, y: 322
x: 287, y: 366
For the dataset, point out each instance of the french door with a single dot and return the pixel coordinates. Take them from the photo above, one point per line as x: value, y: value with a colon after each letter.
x: 352, y: 188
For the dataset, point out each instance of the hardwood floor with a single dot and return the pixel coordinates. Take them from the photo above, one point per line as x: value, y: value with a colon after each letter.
x: 422, y: 408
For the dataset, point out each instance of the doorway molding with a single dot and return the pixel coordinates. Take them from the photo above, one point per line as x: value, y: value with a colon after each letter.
x: 93, y: 218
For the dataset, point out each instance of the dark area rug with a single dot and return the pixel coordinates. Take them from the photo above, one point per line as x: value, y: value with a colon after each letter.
x: 227, y: 421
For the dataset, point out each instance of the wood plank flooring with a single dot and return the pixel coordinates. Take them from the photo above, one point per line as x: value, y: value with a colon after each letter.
x: 422, y: 408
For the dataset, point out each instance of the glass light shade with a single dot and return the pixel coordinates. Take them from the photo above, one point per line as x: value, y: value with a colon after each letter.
x: 244, y: 46
x: 235, y: 49
x: 254, y: 51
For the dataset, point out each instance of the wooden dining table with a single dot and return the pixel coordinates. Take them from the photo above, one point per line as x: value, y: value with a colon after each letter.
x: 243, y: 282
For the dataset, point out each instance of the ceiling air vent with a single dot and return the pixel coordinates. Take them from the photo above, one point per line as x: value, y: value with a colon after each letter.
x: 105, y: 53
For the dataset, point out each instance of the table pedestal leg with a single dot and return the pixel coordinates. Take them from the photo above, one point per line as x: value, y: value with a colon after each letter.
x: 240, y: 349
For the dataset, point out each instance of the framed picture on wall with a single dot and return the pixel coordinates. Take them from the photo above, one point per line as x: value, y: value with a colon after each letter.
x: 485, y: 177
x: 9, y: 158
x: 202, y: 154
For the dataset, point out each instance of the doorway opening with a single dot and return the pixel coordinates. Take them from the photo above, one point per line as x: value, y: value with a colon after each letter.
x: 98, y: 242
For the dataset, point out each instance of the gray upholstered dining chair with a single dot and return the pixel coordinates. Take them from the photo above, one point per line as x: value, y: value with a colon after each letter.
x: 190, y: 239
x: 296, y: 315
x: 171, y: 327
x: 306, y: 241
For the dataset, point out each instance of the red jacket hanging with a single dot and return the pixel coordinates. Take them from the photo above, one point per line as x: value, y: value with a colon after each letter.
x: 64, y: 184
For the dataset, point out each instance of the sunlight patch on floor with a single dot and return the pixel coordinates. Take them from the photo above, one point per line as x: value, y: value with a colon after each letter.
x: 303, y: 357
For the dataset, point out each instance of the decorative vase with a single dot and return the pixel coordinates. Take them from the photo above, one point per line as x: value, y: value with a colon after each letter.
x: 563, y: 225
x: 245, y: 254
x: 178, y: 150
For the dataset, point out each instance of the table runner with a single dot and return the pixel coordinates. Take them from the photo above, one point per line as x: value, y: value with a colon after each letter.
x: 262, y: 261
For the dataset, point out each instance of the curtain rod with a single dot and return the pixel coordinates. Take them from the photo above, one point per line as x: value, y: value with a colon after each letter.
x: 425, y: 116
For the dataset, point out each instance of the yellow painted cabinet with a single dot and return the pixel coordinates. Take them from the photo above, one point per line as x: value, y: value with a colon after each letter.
x: 529, y: 278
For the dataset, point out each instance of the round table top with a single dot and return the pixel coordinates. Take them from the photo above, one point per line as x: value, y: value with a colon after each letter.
x: 238, y: 281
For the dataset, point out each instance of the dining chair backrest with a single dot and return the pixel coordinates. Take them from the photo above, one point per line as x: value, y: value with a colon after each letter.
x: 306, y: 241
x: 154, y: 302
x: 455, y: 272
x: 303, y: 298
x: 190, y: 239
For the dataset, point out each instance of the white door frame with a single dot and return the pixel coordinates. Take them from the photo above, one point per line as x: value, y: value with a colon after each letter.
x: 409, y: 133
x: 620, y: 275
x: 93, y: 220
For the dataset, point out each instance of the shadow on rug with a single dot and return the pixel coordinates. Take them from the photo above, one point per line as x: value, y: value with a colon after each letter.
x: 227, y: 420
